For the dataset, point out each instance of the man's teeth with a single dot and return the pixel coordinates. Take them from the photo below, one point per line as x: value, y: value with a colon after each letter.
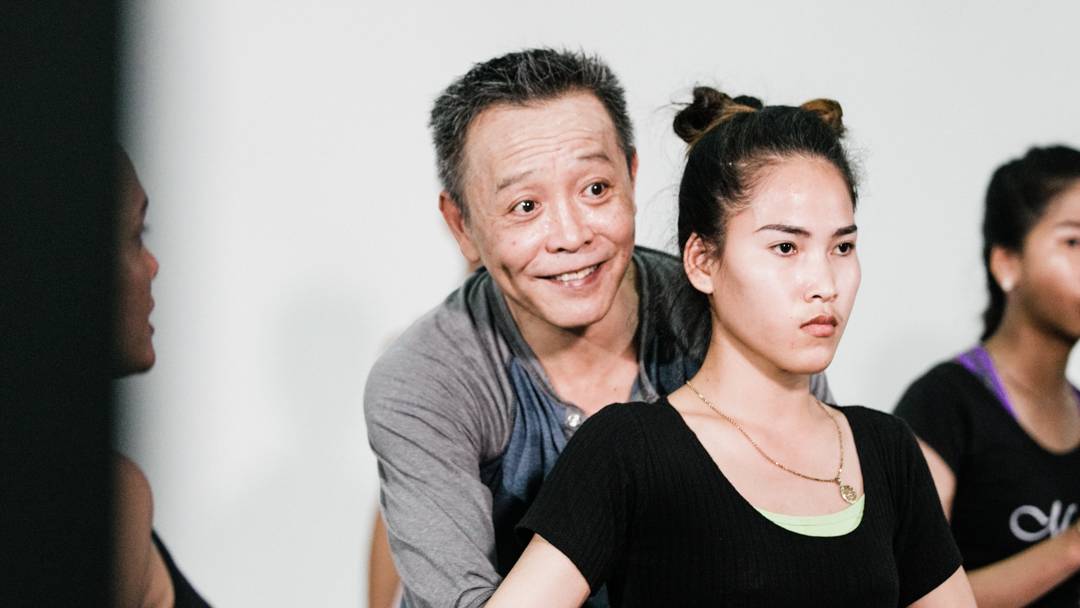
x: 566, y: 277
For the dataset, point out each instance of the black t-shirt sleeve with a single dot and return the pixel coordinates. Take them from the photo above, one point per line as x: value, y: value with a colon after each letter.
x: 926, y: 554
x: 586, y: 503
x: 934, y: 409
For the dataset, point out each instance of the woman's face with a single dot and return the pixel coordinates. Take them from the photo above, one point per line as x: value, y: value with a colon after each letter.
x: 1047, y: 273
x: 137, y: 268
x: 785, y: 282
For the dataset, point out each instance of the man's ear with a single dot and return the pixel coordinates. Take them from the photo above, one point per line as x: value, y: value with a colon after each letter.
x: 454, y: 217
x: 1005, y: 266
x: 633, y: 168
x: 699, y: 261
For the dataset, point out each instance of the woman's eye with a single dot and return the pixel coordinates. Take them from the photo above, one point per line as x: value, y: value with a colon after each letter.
x: 785, y: 248
x: 1074, y: 242
x: 597, y: 188
x: 845, y: 248
x: 525, y: 207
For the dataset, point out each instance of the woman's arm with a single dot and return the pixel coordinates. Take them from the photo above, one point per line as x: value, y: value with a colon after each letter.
x: 1019, y: 579
x: 542, y: 578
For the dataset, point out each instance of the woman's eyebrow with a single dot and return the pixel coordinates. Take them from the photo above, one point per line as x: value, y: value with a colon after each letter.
x: 796, y: 230
x: 785, y: 228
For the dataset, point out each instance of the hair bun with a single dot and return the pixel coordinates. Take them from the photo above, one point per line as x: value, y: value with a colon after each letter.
x: 829, y: 111
x: 708, y: 109
x: 752, y: 102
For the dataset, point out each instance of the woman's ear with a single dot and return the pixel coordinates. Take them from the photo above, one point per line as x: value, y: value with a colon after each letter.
x: 699, y: 262
x: 1006, y: 268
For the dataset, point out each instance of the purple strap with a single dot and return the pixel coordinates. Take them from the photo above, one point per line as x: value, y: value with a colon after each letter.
x: 978, y: 362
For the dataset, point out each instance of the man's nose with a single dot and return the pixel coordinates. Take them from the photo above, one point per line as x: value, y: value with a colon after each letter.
x: 570, y: 229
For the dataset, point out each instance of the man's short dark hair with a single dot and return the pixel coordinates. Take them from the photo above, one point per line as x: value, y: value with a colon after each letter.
x: 519, y: 78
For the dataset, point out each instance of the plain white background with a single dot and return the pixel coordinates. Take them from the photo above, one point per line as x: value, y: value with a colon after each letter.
x: 293, y: 210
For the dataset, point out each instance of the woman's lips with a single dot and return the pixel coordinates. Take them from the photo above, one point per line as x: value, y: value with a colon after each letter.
x: 821, y: 326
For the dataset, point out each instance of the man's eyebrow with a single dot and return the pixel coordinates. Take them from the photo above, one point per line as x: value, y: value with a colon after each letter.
x: 852, y: 229
x: 510, y: 181
x: 513, y: 179
x: 601, y: 155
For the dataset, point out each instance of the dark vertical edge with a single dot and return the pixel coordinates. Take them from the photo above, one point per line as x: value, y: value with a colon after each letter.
x: 57, y: 169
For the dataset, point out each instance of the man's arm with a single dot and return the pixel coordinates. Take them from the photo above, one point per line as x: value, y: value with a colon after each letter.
x: 429, y: 450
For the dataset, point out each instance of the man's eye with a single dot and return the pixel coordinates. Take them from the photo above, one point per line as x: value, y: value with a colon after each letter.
x: 597, y: 188
x: 526, y: 206
x: 845, y: 248
x: 785, y: 248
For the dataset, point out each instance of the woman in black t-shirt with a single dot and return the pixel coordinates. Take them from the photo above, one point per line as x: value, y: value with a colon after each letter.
x: 741, y: 489
x: 1000, y: 423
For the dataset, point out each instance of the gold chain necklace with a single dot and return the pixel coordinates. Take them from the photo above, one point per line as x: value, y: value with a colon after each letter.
x: 846, y: 492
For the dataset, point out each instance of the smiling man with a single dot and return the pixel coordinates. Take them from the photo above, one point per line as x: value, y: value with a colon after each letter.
x: 469, y: 409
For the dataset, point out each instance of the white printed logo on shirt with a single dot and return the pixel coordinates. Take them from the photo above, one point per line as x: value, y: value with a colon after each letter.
x: 1030, y: 524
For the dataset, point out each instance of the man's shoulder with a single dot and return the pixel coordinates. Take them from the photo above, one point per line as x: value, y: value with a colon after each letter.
x: 658, y: 261
x: 452, y: 343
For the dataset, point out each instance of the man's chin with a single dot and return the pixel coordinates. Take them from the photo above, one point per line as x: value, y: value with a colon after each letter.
x: 572, y: 319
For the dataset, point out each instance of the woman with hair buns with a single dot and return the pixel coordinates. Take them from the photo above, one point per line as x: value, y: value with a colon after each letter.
x: 1000, y: 423
x: 740, y: 488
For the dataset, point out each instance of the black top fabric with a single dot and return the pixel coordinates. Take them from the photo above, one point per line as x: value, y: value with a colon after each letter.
x: 185, y: 594
x: 637, y: 503
x: 1010, y: 492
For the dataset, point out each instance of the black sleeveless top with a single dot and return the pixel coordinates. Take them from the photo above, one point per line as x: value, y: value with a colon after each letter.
x: 186, y: 596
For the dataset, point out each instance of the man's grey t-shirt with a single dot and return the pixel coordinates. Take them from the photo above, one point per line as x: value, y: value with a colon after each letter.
x: 465, y: 425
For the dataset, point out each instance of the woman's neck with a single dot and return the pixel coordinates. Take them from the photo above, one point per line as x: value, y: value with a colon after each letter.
x: 1030, y: 356
x: 749, y: 386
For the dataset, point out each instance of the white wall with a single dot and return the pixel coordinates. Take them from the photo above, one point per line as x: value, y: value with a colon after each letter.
x: 293, y: 209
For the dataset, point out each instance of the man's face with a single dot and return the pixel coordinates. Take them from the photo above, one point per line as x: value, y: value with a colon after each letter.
x: 551, y: 208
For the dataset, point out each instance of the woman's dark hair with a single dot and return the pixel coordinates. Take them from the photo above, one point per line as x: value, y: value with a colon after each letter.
x: 732, y: 140
x: 1018, y: 195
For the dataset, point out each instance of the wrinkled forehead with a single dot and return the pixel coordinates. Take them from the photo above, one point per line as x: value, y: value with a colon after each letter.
x: 505, y: 137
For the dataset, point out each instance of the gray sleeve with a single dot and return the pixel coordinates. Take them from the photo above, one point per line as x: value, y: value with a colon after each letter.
x: 819, y: 387
x: 437, y: 511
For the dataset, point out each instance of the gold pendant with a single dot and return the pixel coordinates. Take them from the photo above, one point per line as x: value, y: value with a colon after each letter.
x: 847, y: 493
